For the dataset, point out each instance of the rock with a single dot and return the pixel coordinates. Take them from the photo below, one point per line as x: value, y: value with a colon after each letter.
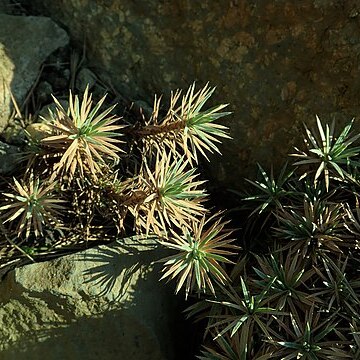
x: 25, y: 43
x: 39, y: 131
x: 43, y: 92
x: 14, y: 134
x: 102, y: 303
x: 278, y: 63
x: 4, y: 6
x: 144, y: 108
x: 66, y: 74
x: 8, y: 158
x: 85, y: 78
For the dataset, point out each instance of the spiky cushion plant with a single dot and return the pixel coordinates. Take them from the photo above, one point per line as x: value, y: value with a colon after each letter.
x: 31, y: 205
x: 185, y: 126
x: 82, y: 136
x: 98, y: 197
x: 297, y: 295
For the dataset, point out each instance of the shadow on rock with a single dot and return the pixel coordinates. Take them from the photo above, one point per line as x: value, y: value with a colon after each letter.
x: 112, y: 336
x: 113, y: 268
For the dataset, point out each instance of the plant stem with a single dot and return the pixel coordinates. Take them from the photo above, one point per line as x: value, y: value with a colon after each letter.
x: 151, y: 130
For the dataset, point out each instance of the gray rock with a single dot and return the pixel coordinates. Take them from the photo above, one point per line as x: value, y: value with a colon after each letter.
x: 278, y: 63
x: 66, y: 74
x: 102, y: 303
x: 14, y: 134
x: 43, y: 92
x: 85, y: 78
x: 25, y: 43
x: 144, y: 108
x: 8, y: 158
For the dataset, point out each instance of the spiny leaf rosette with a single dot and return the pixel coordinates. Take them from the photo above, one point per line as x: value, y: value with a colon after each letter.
x: 186, y: 125
x: 173, y: 195
x: 201, y: 249
x: 83, y: 136
x: 162, y: 191
x: 31, y: 205
x: 328, y: 153
x: 296, y: 293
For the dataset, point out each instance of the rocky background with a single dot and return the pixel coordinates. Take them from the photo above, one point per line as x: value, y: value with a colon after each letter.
x: 278, y: 63
x: 102, y: 303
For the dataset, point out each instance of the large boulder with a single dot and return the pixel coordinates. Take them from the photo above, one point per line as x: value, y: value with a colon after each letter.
x: 25, y: 43
x: 102, y: 303
x: 278, y: 63
x: 9, y: 155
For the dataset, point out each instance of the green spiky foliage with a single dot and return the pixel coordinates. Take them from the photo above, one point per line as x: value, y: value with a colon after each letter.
x: 30, y: 206
x: 271, y: 191
x: 337, y: 289
x: 245, y: 314
x: 83, y: 136
x: 355, y: 347
x: 331, y: 155
x: 107, y: 188
x: 230, y: 348
x: 312, y: 228
x: 288, y: 278
x: 172, y: 194
x: 313, y: 338
x: 297, y: 294
x: 186, y: 127
x: 200, y: 251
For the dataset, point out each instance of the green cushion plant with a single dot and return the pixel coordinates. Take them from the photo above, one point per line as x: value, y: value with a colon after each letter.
x: 83, y: 183
x: 296, y: 294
